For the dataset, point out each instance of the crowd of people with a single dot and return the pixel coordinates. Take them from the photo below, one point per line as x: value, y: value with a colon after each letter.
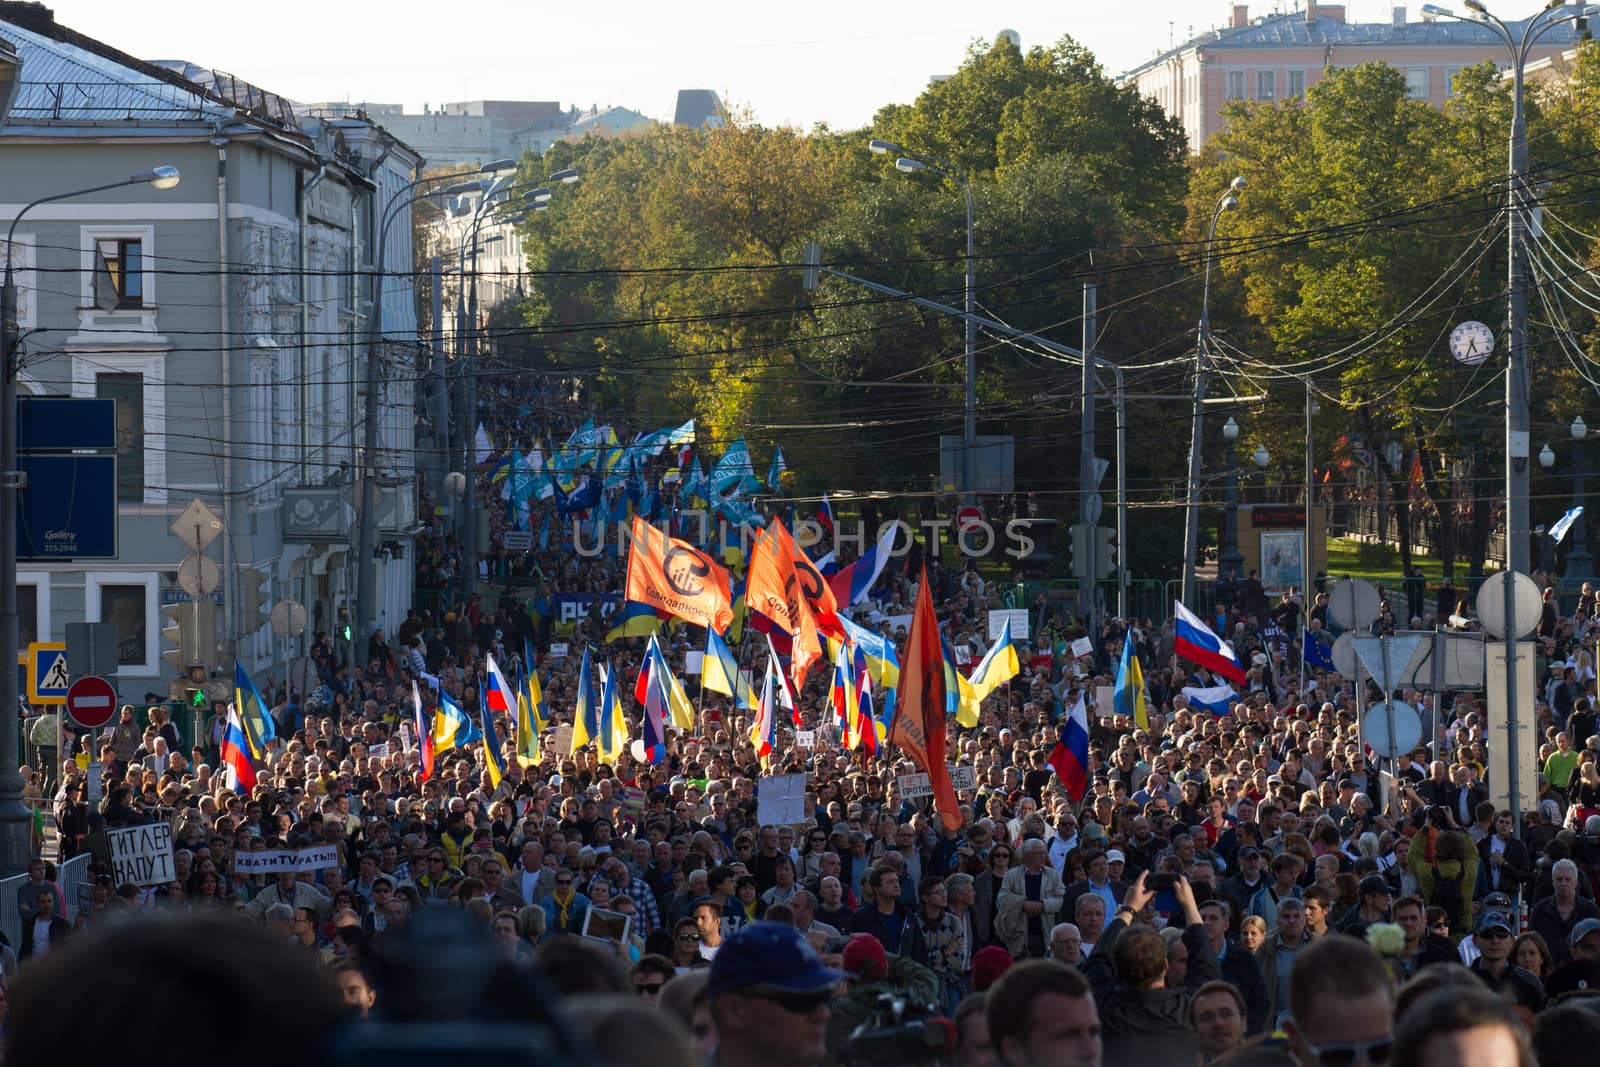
x: 1241, y: 888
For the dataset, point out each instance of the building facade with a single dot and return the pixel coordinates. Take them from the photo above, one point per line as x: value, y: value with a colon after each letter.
x: 227, y: 319
x: 1279, y: 57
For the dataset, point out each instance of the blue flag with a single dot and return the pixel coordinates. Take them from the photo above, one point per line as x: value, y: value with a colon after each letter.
x: 1558, y: 532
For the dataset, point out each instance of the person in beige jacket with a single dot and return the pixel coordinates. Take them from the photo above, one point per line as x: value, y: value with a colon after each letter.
x: 1030, y: 897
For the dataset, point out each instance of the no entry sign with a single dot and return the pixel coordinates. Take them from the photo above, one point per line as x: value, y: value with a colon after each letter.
x: 91, y: 702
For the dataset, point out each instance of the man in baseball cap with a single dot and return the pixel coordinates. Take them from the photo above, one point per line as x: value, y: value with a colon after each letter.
x: 1494, y: 968
x: 1582, y: 971
x: 769, y: 994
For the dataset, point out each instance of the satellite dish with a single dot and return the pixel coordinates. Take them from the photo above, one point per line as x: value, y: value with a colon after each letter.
x: 1407, y: 729
x: 1491, y: 604
x: 1353, y: 603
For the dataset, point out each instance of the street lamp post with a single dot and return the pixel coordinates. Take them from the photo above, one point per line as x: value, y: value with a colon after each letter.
x: 1191, y: 512
x: 15, y: 821
x: 1230, y: 559
x: 1579, y: 562
x: 909, y: 163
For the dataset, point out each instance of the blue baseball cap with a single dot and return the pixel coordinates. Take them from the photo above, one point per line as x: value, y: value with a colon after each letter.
x: 767, y: 956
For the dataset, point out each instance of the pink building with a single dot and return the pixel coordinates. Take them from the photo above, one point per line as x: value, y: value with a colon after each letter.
x: 1276, y: 57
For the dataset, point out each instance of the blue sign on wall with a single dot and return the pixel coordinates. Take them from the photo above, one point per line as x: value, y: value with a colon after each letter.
x: 69, y: 509
x: 63, y: 423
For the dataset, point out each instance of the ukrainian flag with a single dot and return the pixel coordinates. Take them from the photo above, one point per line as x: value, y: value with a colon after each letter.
x: 491, y: 746
x: 613, y: 738
x: 527, y: 732
x: 535, y: 691
x: 586, y: 716
x: 998, y: 666
x: 1128, y: 697
x: 253, y: 714
x: 883, y: 666
x: 452, y: 728
x: 960, y: 699
x: 679, y: 706
x: 634, y: 619
x: 719, y: 672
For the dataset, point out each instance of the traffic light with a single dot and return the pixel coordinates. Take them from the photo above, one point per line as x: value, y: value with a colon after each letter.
x: 1080, y: 550
x: 177, y: 627
x: 255, y: 599
x: 1105, y: 556
x: 344, y: 623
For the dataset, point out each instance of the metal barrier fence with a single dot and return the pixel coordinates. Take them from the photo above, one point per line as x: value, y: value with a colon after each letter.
x: 69, y: 876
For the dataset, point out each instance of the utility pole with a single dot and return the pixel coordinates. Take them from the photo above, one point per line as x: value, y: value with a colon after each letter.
x: 1088, y: 509
x: 1517, y: 528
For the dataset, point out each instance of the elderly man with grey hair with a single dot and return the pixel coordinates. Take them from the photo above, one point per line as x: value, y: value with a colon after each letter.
x: 1554, y: 917
x: 1030, y: 896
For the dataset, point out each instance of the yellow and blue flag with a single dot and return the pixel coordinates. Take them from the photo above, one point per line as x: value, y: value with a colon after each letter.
x: 1128, y: 697
x: 960, y: 699
x: 613, y: 739
x: 719, y: 671
x: 585, y: 715
x: 253, y: 713
x: 998, y: 666
x: 534, y: 690
x: 634, y: 619
x: 491, y: 747
x: 452, y: 728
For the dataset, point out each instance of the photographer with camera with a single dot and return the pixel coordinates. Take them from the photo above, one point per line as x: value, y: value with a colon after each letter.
x: 1142, y: 1020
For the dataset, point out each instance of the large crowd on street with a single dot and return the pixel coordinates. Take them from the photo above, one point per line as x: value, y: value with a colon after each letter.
x: 1238, y: 888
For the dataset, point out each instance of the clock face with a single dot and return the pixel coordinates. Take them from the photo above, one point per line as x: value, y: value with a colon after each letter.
x: 1471, y: 342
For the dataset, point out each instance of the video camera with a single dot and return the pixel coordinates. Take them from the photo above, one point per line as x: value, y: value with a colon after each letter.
x: 899, y: 1032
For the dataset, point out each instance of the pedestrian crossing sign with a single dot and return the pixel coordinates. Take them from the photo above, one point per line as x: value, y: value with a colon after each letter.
x: 47, y: 673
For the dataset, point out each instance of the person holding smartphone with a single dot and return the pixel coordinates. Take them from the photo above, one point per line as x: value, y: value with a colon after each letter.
x: 1141, y: 1020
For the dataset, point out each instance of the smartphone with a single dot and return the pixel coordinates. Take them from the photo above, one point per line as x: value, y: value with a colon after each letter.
x: 1161, y: 882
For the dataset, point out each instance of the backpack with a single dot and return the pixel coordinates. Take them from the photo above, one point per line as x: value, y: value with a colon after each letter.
x: 1447, y: 895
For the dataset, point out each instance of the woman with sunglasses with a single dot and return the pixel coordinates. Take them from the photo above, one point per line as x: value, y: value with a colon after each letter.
x: 686, y: 946
x: 986, y: 904
x: 816, y: 843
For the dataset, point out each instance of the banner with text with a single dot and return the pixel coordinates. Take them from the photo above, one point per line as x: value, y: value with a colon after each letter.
x: 276, y: 861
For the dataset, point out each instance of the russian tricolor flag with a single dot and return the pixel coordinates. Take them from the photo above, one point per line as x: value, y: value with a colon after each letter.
x: 1217, y: 699
x: 852, y: 584
x: 498, y: 695
x: 1198, y: 644
x: 238, y: 772
x: 1070, y: 757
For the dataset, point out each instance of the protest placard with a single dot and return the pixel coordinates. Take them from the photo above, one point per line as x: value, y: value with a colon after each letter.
x: 1105, y: 699
x: 278, y: 860
x: 1082, y: 648
x: 692, y: 661
x: 781, y: 800
x: 633, y: 801
x: 141, y: 855
x: 963, y: 777
x: 913, y: 786
x: 1017, y: 617
x: 563, y: 739
x: 805, y: 739
x: 379, y: 750
x: 558, y: 650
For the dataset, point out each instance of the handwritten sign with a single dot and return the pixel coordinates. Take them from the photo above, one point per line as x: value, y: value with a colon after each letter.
x: 278, y: 860
x: 1017, y: 617
x: 558, y: 650
x: 913, y: 786
x: 563, y: 739
x: 1083, y: 648
x: 805, y: 738
x: 141, y: 855
x: 692, y: 662
x: 963, y: 777
x: 781, y: 800
x: 1105, y: 701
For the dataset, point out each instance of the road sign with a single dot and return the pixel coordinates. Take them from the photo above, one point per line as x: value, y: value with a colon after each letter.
x: 1407, y: 729
x: 968, y: 518
x: 47, y: 672
x: 1353, y: 603
x: 91, y: 702
x: 1387, y: 666
x: 69, y: 509
x: 288, y: 618
x: 1491, y: 604
x: 65, y: 423
x: 91, y: 648
x: 198, y: 575
x: 197, y: 526
x: 1094, y: 505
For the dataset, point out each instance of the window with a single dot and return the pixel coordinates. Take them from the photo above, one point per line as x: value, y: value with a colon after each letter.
x: 127, y: 600
x: 124, y: 607
x: 1297, y: 83
x: 1266, y: 84
x: 1450, y: 80
x: 118, y: 274
x: 1235, y: 85
x: 1417, y: 83
x: 28, y: 629
x: 128, y: 391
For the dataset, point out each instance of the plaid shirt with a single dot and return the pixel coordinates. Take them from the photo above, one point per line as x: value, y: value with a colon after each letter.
x: 646, y: 913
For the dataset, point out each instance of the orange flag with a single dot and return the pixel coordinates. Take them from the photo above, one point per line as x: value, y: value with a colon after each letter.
x: 918, y: 726
x: 814, y: 587
x: 675, y: 578
x: 776, y: 588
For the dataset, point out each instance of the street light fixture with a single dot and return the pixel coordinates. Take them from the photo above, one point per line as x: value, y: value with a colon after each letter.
x: 15, y: 820
x: 909, y: 163
x: 1191, y: 514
